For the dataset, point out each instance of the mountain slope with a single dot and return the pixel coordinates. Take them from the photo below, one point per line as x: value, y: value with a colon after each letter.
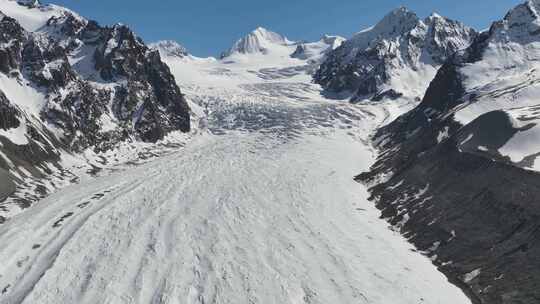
x: 69, y: 84
x: 458, y: 170
x: 398, y: 56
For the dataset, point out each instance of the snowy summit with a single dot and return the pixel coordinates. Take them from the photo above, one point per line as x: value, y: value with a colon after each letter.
x: 259, y: 41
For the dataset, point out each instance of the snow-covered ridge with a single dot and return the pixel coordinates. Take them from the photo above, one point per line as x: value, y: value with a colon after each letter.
x: 31, y: 14
x: 169, y: 48
x: 393, y: 25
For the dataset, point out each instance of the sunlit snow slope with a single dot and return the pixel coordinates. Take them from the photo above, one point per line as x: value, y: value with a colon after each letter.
x: 260, y: 208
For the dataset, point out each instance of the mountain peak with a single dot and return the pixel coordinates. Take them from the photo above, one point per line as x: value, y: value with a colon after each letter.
x: 521, y: 24
x: 261, y: 30
x: 524, y: 13
x: 435, y: 16
x: 169, y: 48
x: 398, y: 20
x: 257, y: 41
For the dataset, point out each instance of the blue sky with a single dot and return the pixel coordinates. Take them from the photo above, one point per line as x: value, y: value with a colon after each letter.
x: 207, y: 27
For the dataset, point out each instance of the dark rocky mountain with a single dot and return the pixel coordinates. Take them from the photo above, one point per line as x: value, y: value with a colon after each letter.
x: 72, y: 85
x: 398, y: 56
x: 458, y: 174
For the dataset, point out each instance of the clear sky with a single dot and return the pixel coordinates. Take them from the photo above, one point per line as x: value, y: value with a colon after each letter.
x: 207, y: 27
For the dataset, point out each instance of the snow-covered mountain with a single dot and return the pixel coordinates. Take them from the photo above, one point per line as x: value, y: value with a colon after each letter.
x: 458, y: 170
x: 259, y: 41
x: 398, y: 56
x: 68, y: 84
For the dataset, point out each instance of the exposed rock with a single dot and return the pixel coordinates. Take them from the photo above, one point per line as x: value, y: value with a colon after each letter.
x: 9, y: 116
x: 12, y: 38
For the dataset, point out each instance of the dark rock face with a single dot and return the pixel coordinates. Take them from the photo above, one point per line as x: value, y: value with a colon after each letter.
x: 12, y: 36
x: 9, y: 116
x: 470, y: 213
x: 47, y: 64
x: 163, y: 108
x: 390, y: 94
x: 299, y: 52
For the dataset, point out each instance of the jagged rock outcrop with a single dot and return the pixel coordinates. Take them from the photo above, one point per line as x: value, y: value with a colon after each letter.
x: 400, y: 53
x: 12, y: 37
x: 9, y: 115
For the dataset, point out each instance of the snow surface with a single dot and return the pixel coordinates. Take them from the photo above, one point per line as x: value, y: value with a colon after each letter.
x: 31, y: 19
x: 316, y: 51
x: 21, y: 93
x: 16, y: 135
x: 524, y: 144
